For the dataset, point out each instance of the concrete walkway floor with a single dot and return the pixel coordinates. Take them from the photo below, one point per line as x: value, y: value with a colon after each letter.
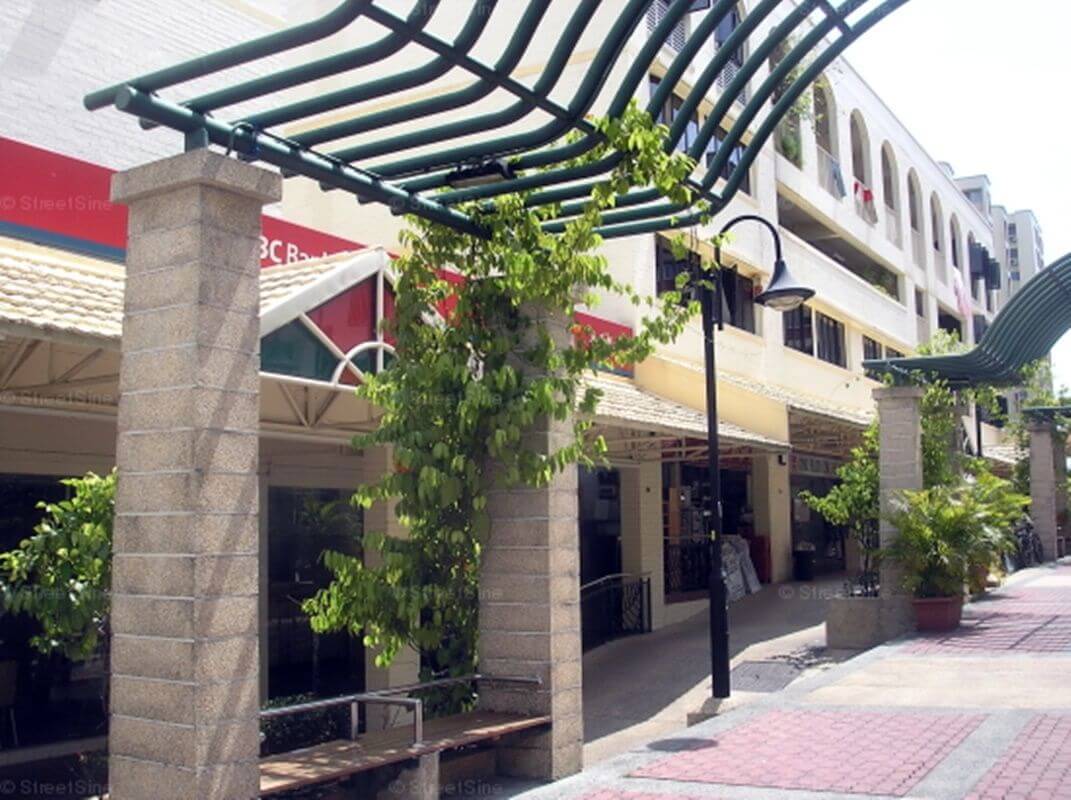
x: 981, y: 713
x: 643, y: 687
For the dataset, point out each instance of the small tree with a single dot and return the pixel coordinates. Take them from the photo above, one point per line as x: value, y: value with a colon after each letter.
x: 854, y: 504
x: 61, y: 574
x: 855, y: 501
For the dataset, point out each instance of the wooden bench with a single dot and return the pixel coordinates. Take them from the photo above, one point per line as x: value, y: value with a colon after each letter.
x: 343, y: 758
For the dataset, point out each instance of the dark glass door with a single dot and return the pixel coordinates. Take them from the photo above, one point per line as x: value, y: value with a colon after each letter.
x: 302, y: 523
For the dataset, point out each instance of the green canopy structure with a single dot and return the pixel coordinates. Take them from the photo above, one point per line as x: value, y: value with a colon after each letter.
x: 1025, y: 330
x: 808, y: 38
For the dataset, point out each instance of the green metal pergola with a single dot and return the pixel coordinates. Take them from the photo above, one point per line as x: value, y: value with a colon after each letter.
x: 807, y: 39
x: 1025, y: 330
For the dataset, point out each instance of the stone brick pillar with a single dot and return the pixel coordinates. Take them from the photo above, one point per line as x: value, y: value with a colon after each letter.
x: 900, y: 467
x: 530, y: 611
x: 1044, y: 491
x: 184, y: 656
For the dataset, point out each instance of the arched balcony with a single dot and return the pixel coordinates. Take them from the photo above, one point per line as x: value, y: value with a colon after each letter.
x: 890, y: 191
x: 861, y: 170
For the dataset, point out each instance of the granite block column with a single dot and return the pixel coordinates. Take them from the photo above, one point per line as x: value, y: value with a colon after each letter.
x: 530, y: 610
x: 184, y: 651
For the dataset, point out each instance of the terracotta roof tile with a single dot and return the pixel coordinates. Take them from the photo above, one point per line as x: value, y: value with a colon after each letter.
x: 51, y: 290
x: 623, y: 403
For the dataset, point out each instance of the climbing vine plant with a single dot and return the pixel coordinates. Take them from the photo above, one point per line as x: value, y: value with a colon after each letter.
x: 468, y: 389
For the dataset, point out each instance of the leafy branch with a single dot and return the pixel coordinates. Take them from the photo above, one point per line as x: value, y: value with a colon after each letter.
x: 466, y: 392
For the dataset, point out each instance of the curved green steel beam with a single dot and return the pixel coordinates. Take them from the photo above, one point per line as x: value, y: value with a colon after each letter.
x: 665, y: 217
x: 289, y: 156
x: 322, y: 68
x: 507, y: 145
x: 339, y: 98
x: 710, y: 125
x: 434, y: 105
x: 1026, y: 329
x: 735, y: 134
x: 639, y: 70
x: 480, y: 69
x: 273, y: 43
x: 552, y: 72
x: 252, y: 137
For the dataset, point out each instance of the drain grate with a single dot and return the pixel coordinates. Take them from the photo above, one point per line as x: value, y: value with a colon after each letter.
x: 763, y: 676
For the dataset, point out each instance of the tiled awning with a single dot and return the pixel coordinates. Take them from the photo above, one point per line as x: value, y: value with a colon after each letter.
x: 624, y: 405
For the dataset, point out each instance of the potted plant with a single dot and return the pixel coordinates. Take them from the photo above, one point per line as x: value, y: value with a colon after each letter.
x: 999, y: 509
x: 935, y: 527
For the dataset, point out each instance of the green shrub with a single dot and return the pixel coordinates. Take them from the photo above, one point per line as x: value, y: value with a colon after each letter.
x: 944, y: 531
x: 61, y: 574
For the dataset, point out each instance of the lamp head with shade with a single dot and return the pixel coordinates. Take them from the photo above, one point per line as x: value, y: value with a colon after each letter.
x: 784, y: 293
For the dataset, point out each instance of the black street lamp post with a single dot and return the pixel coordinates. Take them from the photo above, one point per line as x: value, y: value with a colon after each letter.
x: 783, y: 294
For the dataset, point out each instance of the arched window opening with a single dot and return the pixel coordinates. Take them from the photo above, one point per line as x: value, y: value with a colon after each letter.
x: 825, y: 118
x: 937, y: 232
x: 953, y: 240
x: 890, y: 193
x: 936, y: 224
x: 864, y: 195
x: 914, y: 214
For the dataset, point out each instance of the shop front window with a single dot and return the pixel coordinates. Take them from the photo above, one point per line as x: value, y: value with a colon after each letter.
x: 44, y: 699
x: 302, y: 524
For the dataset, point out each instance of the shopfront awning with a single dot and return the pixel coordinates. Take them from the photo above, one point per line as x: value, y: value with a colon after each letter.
x: 61, y: 321
x: 639, y: 425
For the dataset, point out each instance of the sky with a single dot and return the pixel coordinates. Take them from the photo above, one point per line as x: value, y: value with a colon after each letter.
x: 983, y: 84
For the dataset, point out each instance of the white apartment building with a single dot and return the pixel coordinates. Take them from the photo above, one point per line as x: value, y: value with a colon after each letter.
x: 1017, y: 245
x: 893, y: 244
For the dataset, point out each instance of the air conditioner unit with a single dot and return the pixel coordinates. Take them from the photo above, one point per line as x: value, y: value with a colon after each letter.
x: 1014, y: 262
x: 1013, y: 238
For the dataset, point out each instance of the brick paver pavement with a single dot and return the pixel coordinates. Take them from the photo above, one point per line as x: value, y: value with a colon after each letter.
x: 1003, y: 631
x: 863, y: 752
x: 620, y: 794
x: 986, y: 747
x: 1036, y: 766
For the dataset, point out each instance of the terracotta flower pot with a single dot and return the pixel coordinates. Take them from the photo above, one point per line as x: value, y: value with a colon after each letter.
x: 933, y: 614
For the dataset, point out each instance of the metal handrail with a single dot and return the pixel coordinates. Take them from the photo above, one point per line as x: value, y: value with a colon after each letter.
x: 354, y: 701
x: 475, y: 677
x: 387, y: 697
x: 616, y: 575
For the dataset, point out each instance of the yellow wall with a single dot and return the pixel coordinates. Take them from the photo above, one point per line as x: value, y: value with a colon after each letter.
x: 684, y: 384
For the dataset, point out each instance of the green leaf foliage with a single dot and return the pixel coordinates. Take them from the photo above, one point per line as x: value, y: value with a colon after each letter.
x: 61, y: 574
x: 855, y: 501
x: 466, y: 392
x: 946, y: 530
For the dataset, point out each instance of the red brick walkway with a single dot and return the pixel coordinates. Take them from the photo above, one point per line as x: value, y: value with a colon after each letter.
x: 865, y: 752
x: 1030, y: 619
x: 879, y: 750
x: 617, y: 794
x: 1003, y: 631
x: 1037, y: 766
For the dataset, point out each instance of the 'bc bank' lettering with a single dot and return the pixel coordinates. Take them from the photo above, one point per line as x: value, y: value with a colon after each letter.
x: 276, y: 251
